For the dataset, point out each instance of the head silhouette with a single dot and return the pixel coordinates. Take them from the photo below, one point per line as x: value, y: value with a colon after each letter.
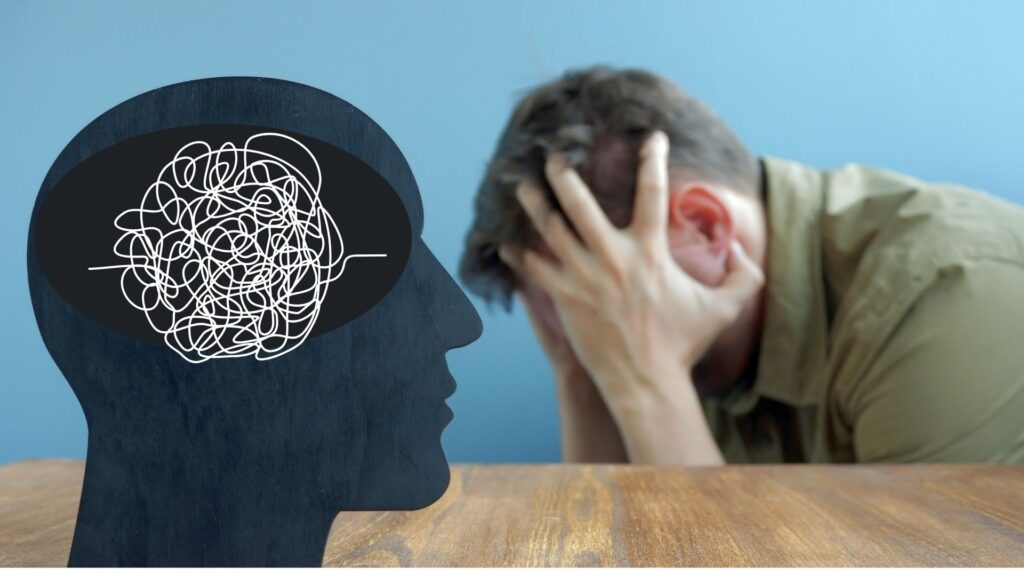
x: 229, y: 274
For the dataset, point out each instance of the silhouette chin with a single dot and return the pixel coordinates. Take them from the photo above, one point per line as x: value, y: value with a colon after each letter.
x: 439, y: 486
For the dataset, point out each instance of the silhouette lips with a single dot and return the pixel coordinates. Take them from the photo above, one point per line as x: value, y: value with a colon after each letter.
x: 449, y: 391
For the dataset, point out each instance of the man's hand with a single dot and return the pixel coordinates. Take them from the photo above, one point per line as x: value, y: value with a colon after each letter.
x: 636, y: 320
x: 589, y: 433
x: 543, y: 315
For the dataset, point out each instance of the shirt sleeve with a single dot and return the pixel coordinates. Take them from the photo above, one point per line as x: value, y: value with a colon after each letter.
x: 948, y: 385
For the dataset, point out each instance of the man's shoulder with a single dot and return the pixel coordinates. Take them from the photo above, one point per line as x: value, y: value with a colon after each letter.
x: 856, y: 189
x: 879, y: 233
x: 879, y: 224
x: 888, y: 240
x: 852, y: 248
x: 907, y: 264
x: 885, y: 236
x: 873, y: 222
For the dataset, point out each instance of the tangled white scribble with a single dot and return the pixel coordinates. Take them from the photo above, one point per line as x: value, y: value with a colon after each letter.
x: 231, y: 251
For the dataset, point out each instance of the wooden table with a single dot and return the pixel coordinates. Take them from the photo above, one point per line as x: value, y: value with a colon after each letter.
x: 553, y: 515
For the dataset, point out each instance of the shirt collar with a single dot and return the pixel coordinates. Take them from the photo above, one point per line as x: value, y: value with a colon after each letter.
x: 795, y: 330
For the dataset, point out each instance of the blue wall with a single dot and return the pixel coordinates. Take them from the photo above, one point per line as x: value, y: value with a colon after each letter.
x: 931, y: 88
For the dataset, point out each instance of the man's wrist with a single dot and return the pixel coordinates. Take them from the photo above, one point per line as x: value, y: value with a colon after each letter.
x: 576, y: 386
x: 642, y: 394
x: 662, y: 421
x: 638, y: 388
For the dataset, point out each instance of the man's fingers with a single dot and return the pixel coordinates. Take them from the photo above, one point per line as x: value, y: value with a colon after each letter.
x: 536, y: 267
x: 539, y: 327
x: 578, y: 203
x: 744, y: 278
x: 549, y: 224
x: 650, y: 210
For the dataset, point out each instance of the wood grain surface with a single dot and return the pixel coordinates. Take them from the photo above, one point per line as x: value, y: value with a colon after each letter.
x: 555, y: 515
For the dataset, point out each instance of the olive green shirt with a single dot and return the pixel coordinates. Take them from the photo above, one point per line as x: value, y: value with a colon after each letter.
x: 893, y: 327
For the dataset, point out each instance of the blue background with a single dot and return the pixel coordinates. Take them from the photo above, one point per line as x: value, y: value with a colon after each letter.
x: 930, y: 88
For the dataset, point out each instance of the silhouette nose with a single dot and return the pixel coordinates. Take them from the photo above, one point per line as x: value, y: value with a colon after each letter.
x: 455, y: 318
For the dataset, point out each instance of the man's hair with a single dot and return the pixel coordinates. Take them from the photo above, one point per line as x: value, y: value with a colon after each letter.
x: 598, y: 117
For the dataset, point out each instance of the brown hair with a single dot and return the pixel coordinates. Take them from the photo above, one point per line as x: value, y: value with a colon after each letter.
x: 598, y: 117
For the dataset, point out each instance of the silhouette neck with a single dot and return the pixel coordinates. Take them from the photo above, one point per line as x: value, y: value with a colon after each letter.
x: 189, y: 509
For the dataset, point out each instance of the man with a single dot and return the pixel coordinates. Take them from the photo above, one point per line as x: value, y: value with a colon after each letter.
x: 699, y: 306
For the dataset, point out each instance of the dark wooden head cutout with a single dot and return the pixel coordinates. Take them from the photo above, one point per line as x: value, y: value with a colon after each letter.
x: 229, y: 274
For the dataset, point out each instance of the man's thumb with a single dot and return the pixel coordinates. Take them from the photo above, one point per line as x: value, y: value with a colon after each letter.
x: 744, y: 277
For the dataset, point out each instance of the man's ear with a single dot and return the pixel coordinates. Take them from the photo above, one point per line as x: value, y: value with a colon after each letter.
x: 700, y: 231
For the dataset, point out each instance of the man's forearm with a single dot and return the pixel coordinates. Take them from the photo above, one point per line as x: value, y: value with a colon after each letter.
x: 589, y: 433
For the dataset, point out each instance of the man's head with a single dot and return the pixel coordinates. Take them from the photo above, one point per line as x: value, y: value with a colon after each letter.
x: 599, y: 117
